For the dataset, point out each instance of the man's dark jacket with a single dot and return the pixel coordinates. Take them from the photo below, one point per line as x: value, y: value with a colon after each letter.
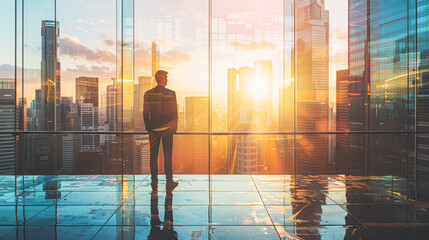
x: 160, y: 109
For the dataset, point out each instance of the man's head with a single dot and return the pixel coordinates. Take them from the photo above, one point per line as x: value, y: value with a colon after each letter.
x: 161, y: 77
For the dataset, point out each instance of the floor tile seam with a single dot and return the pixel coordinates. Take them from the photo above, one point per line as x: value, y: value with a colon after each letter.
x: 265, y: 207
x: 133, y: 192
x: 178, y: 225
x: 24, y: 223
x: 6, y: 234
x: 389, y: 224
x: 46, y: 207
x: 359, y: 221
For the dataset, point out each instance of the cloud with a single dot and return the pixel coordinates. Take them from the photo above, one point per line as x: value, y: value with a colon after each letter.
x: 169, y: 59
x: 173, y: 57
x: 109, y: 43
x: 188, y: 9
x: 94, y: 70
x: 254, y: 45
x: 71, y: 46
x: 241, y: 15
x: 339, y: 34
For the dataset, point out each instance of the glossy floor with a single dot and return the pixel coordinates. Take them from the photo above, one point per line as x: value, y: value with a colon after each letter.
x: 222, y: 207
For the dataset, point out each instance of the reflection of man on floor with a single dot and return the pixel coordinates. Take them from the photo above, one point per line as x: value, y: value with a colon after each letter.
x: 167, y: 231
x: 160, y: 119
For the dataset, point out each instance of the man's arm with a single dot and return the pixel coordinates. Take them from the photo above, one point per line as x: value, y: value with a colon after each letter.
x: 176, y: 117
x: 146, y: 112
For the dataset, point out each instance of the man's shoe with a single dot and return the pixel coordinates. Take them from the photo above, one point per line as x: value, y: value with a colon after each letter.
x: 172, y: 184
x: 154, y: 185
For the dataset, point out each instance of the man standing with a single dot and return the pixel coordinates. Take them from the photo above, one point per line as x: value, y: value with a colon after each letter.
x: 160, y: 119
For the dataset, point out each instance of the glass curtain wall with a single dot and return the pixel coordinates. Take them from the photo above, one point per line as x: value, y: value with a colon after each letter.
x: 263, y: 87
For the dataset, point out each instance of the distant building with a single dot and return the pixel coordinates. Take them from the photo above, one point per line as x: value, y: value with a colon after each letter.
x: 87, y: 104
x: 249, y: 104
x: 196, y: 120
x: 141, y: 142
x: 312, y: 86
x: 51, y: 80
x: 155, y: 62
x: 7, y: 124
x: 342, y: 121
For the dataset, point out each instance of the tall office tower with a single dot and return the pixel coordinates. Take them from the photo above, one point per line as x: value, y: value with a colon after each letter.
x: 50, y: 76
x: 155, y: 62
x: 69, y: 115
x: 7, y: 123
x: 358, y: 91
x: 342, y: 118
x: 139, y: 91
x: 249, y: 108
x: 141, y: 142
x: 87, y: 104
x: 312, y: 85
x: 125, y: 108
x: 196, y: 147
x: 388, y: 58
x: 86, y: 91
x: 89, y: 123
x: 34, y: 112
x: 111, y: 106
x: 286, y: 123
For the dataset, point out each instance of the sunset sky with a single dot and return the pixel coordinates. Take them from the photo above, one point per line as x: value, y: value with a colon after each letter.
x: 88, y: 41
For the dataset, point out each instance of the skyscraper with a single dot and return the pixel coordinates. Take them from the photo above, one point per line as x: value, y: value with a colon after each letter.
x: 196, y: 119
x: 111, y: 106
x: 249, y: 108
x: 312, y: 85
x: 141, y: 142
x: 69, y: 117
x: 87, y: 103
x: 86, y: 91
x: 7, y: 123
x: 51, y: 80
x: 343, y: 113
x: 155, y: 62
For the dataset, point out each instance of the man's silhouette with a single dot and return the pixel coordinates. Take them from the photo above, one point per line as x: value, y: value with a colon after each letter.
x: 160, y: 119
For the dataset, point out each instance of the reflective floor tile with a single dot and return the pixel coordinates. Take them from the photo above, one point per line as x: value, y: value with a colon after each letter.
x: 295, y: 197
x: 141, y: 215
x: 324, y: 232
x: 244, y: 232
x: 111, y: 186
x: 6, y: 195
x: 361, y: 197
x: 183, y: 186
x: 231, y: 177
x: 53, y: 232
x: 401, y: 232
x: 35, y: 198
x: 308, y: 214
x: 7, y: 178
x: 233, y: 186
x: 236, y: 198
x: 13, y: 215
x: 191, y: 177
x: 278, y: 186
x: 73, y: 215
x: 94, y: 198
x: 6, y: 230
x: 240, y: 215
x: 272, y: 177
x: 179, y: 198
x: 389, y: 213
x: 147, y: 232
